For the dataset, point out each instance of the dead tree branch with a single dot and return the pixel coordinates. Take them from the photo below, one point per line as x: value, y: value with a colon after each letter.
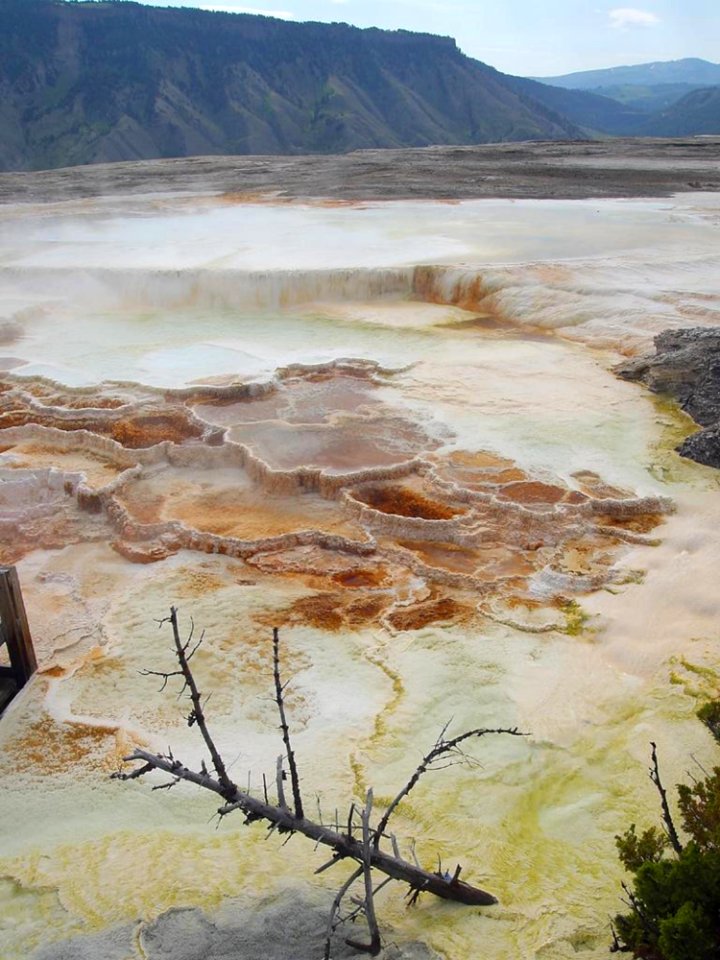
x: 339, y: 896
x: 368, y: 906
x: 666, y: 815
x: 197, y: 714
x: 294, y: 779
x: 363, y: 850
x: 442, y: 748
x: 285, y: 821
x: 279, y: 778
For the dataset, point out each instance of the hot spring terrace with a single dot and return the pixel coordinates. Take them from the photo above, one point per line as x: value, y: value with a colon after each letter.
x: 394, y: 430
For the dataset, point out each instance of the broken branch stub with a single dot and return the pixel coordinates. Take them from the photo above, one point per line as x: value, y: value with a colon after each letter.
x: 363, y: 849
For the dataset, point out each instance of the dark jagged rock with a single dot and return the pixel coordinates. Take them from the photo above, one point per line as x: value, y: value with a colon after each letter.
x: 703, y: 447
x: 686, y: 366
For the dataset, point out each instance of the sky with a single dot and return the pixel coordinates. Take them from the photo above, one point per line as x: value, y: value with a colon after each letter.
x: 523, y: 37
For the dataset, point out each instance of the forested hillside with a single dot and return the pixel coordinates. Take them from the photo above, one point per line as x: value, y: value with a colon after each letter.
x: 88, y: 82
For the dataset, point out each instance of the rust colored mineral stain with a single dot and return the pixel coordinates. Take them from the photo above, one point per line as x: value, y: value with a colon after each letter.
x: 54, y: 747
x: 481, y: 459
x: 146, y: 431
x: 439, y: 610
x: 595, y: 486
x: 479, y: 470
x: 403, y: 502
x: 234, y: 198
x: 322, y: 610
x: 53, y: 672
x: 362, y: 578
x: 365, y: 610
x: 172, y: 421
x: 532, y: 492
x: 640, y: 524
x: 145, y: 507
x: 228, y: 505
x: 335, y: 610
x: 80, y: 403
x: 494, y: 547
x: 444, y: 555
x: 196, y: 582
x: 132, y: 432
x: 331, y: 611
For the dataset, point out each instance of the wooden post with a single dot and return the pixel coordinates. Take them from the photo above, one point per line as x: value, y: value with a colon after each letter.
x: 14, y: 629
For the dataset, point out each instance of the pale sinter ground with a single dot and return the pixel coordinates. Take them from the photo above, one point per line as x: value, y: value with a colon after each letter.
x: 468, y: 576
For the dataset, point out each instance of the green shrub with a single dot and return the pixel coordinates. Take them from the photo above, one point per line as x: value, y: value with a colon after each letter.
x: 709, y: 713
x: 674, y: 898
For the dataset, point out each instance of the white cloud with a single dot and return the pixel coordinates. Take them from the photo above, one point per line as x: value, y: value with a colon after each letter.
x: 623, y: 17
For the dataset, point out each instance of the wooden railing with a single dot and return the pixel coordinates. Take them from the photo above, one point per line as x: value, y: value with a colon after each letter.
x: 14, y: 634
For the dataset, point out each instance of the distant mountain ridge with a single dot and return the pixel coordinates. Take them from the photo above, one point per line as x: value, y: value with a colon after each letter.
x: 696, y: 113
x: 647, y: 98
x: 89, y: 82
x: 691, y: 70
x: 647, y: 87
x: 86, y: 82
x: 593, y: 113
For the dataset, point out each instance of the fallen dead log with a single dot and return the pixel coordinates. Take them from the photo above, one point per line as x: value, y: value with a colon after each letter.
x: 359, y: 843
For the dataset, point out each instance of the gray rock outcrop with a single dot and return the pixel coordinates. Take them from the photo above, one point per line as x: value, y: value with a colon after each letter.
x: 288, y: 928
x: 686, y: 366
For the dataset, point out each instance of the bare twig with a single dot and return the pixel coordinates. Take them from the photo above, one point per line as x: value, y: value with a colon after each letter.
x: 336, y: 906
x: 336, y: 858
x: 165, y: 676
x: 167, y: 786
x: 294, y: 778
x: 442, y: 748
x: 396, y: 848
x: 617, y: 945
x: 350, y: 917
x: 279, y: 778
x: 636, y: 907
x: 197, y: 714
x: 666, y: 815
x: 414, y: 854
x: 134, y: 774
x: 373, y: 948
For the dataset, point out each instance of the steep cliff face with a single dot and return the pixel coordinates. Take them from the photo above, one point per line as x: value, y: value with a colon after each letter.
x: 93, y: 82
